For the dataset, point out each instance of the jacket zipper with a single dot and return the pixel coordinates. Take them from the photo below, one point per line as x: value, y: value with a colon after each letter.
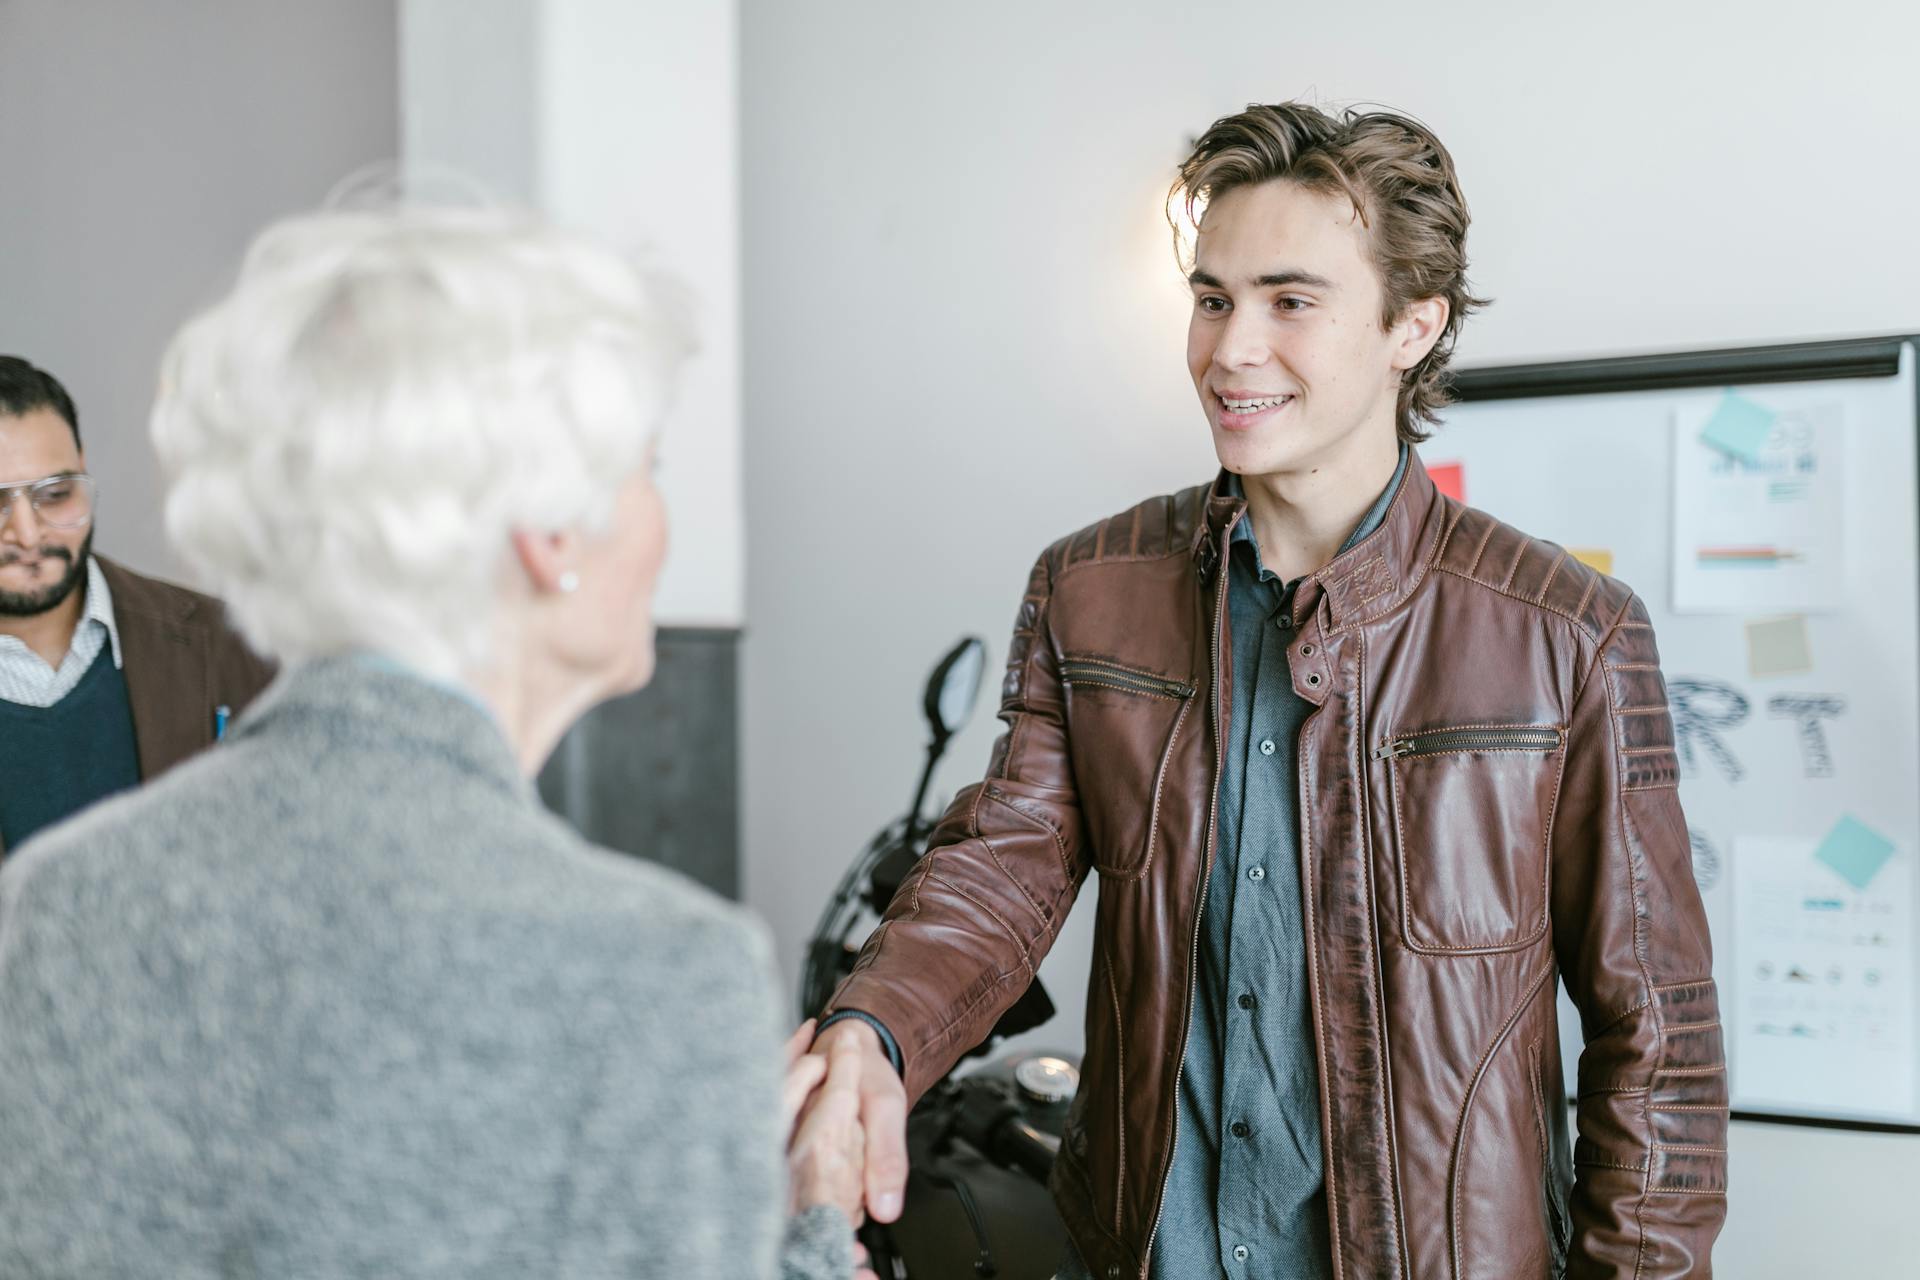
x: 1090, y: 671
x: 1199, y: 908
x: 1516, y: 738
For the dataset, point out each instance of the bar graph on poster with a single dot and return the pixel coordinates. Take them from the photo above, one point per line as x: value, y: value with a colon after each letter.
x: 1772, y: 526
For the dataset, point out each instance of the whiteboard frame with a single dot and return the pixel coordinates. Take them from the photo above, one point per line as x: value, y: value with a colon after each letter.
x: 1844, y: 358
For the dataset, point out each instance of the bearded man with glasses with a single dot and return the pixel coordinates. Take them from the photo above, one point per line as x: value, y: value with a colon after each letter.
x: 107, y: 678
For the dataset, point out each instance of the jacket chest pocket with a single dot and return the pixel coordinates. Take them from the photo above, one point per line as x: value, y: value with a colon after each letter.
x: 1472, y: 813
x: 1123, y: 724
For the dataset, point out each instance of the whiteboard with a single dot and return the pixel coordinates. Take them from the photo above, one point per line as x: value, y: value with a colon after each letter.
x: 1793, y: 781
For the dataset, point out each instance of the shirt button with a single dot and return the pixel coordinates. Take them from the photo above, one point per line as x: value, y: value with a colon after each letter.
x: 1283, y: 620
x: 1247, y: 1001
x: 1256, y: 873
x: 1266, y: 747
x: 1241, y: 1129
x: 1240, y: 1253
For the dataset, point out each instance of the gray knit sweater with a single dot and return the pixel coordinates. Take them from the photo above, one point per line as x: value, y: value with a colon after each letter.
x: 339, y: 999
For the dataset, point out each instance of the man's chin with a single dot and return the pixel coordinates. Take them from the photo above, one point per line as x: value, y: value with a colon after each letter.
x: 1245, y: 456
x: 27, y: 593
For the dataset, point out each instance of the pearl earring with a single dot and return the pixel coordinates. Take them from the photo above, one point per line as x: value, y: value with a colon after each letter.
x: 569, y: 582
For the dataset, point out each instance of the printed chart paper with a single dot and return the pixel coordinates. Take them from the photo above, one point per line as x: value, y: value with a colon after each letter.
x: 1759, y: 520
x: 1824, y: 998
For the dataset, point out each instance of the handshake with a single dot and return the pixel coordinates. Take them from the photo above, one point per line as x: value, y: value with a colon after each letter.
x: 844, y: 1110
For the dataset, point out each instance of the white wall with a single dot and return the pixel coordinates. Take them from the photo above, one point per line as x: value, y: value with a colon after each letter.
x: 620, y: 119
x: 641, y: 142
x: 141, y: 146
x: 470, y: 84
x: 963, y: 339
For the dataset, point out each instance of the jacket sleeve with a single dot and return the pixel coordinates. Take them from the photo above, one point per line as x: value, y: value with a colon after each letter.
x: 969, y: 926
x: 1650, y: 1164
x: 818, y: 1245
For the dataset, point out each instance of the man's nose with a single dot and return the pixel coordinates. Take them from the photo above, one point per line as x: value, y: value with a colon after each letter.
x: 20, y: 524
x: 1240, y: 345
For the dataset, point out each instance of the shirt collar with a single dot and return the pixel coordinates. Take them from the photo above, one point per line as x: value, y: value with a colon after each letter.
x: 1376, y: 514
x: 100, y: 608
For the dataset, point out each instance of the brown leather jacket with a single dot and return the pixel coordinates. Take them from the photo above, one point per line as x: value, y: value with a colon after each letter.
x: 1487, y: 805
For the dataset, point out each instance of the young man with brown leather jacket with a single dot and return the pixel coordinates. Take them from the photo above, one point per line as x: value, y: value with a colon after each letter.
x: 1364, y: 774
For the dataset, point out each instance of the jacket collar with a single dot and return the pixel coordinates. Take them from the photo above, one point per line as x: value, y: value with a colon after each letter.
x: 1365, y: 580
x: 163, y: 644
x: 359, y: 703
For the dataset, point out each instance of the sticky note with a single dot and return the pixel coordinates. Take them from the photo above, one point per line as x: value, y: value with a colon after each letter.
x: 1738, y: 427
x: 1855, y: 850
x: 1450, y: 478
x: 1778, y: 647
x: 1593, y: 558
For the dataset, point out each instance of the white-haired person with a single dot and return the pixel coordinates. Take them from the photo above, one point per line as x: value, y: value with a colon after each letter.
x: 339, y: 998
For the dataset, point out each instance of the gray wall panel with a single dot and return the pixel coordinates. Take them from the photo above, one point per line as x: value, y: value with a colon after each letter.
x: 656, y: 774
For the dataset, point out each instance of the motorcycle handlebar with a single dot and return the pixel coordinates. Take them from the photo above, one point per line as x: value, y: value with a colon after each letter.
x: 991, y: 1122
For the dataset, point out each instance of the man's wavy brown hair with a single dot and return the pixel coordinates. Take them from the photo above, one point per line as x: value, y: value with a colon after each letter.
x: 1403, y: 188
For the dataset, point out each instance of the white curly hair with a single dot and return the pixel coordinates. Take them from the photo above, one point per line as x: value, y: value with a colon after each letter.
x: 351, y: 432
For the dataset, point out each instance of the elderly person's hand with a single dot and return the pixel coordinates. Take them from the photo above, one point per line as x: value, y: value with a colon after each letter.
x: 882, y: 1104
x: 805, y: 1071
x: 826, y: 1161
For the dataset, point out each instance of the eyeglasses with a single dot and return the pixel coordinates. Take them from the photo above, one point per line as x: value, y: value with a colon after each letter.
x: 59, y: 502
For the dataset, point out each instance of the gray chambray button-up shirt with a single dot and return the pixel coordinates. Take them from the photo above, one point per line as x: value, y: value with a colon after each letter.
x: 1246, y: 1197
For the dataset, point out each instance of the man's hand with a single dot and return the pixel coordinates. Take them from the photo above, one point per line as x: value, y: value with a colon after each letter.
x: 853, y: 1049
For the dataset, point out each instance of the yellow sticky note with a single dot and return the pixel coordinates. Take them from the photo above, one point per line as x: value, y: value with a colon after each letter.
x: 1593, y: 559
x: 1778, y: 647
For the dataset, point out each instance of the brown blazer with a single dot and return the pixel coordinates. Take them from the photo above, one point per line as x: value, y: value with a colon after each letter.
x: 181, y: 660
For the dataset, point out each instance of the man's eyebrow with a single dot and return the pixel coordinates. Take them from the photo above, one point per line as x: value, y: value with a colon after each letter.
x: 1274, y: 280
x: 1284, y: 278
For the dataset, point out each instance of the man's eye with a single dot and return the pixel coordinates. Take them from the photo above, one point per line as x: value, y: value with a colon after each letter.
x: 1292, y: 304
x: 1213, y: 304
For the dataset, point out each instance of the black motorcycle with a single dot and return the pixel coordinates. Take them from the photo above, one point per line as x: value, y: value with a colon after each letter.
x: 981, y: 1144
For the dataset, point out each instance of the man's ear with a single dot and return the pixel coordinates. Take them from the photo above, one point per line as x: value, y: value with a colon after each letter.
x: 1418, y: 328
x: 544, y: 557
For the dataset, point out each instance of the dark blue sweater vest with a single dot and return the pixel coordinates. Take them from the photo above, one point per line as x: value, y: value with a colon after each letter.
x: 55, y: 761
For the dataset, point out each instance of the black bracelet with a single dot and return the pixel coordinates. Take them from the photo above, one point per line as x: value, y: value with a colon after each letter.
x: 887, y: 1041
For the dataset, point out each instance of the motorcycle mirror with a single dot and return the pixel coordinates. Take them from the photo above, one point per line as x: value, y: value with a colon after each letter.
x: 954, y: 687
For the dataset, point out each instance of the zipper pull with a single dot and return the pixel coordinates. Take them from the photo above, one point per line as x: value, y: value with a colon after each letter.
x: 1394, y: 749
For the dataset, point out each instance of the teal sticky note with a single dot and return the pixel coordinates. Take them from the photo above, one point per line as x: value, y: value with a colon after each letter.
x: 1739, y: 427
x: 1855, y: 850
